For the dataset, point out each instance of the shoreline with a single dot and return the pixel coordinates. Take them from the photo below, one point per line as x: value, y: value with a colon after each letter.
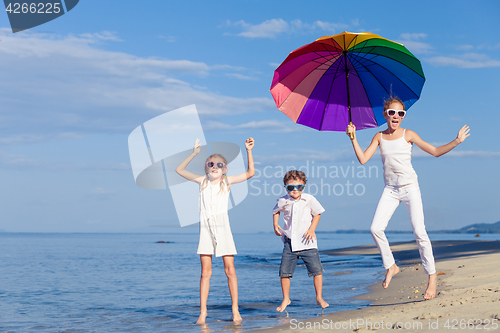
x: 468, y: 293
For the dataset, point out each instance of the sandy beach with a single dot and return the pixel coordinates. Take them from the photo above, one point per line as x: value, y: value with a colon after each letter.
x: 468, y: 295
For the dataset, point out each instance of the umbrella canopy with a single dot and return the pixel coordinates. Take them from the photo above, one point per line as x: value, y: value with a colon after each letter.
x: 346, y: 77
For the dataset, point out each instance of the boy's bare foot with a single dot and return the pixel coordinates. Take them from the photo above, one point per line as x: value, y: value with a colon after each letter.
x: 236, y: 316
x: 202, y: 317
x: 431, y: 287
x: 321, y: 302
x: 282, y: 307
x: 393, y: 270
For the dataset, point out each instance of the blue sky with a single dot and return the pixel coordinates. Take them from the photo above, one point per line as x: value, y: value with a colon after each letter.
x: 73, y: 89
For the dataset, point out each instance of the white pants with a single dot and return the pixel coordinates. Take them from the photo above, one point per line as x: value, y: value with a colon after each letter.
x: 390, y: 200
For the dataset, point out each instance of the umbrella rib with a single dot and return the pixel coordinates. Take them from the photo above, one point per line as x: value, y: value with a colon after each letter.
x: 337, y: 74
x: 327, y: 50
x: 356, y: 58
x: 315, y: 61
x: 376, y: 78
x: 371, y: 48
x: 356, y: 54
x: 329, y: 92
x: 368, y: 49
x: 333, y: 54
x: 320, y: 56
x: 376, y: 56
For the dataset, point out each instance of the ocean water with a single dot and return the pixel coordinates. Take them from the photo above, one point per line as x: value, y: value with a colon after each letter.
x: 131, y: 283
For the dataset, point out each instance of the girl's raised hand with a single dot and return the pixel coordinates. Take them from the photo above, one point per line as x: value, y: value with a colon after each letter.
x: 197, y: 146
x: 463, y: 133
x: 249, y: 143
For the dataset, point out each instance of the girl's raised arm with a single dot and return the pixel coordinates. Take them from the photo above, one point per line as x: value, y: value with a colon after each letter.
x: 181, y: 169
x: 249, y: 143
x: 365, y: 156
x: 430, y: 149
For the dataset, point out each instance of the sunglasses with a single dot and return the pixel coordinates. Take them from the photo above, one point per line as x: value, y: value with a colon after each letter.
x: 211, y: 164
x: 290, y: 188
x: 392, y: 112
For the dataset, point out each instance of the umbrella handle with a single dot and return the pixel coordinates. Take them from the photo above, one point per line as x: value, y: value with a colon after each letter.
x: 351, y: 135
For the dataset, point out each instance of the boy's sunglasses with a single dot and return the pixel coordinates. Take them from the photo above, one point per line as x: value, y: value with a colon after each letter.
x: 392, y: 112
x: 211, y: 164
x: 290, y: 188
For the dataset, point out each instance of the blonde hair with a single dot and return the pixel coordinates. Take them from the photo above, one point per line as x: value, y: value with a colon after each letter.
x: 223, y: 180
x: 393, y: 99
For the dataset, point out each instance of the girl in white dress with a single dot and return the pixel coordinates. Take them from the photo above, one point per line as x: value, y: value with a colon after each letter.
x: 401, y: 186
x: 215, y: 231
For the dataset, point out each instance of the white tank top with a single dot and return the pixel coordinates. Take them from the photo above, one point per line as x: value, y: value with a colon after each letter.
x: 396, y: 158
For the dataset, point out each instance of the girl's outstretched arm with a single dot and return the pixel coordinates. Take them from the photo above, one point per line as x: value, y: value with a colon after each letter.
x: 430, y: 149
x: 365, y: 156
x: 181, y: 169
x: 249, y: 143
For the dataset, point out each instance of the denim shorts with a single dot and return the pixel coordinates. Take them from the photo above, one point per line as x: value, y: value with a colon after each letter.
x: 289, y: 260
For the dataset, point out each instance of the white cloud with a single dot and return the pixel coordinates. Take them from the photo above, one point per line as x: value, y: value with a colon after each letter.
x: 168, y: 39
x: 53, y: 85
x: 412, y: 42
x: 330, y: 27
x: 17, y: 161
x: 104, y: 35
x: 417, y: 47
x: 464, y: 47
x: 266, y: 125
x: 34, y: 138
x: 241, y: 76
x: 276, y: 27
x: 267, y: 29
x: 413, y: 36
x: 468, y: 60
x: 21, y: 162
x: 488, y: 46
x: 494, y: 47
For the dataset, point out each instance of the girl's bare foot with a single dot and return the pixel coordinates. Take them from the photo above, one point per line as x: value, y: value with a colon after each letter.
x: 202, y: 317
x: 321, y: 302
x: 431, y: 287
x: 393, y: 270
x: 282, y: 307
x: 236, y: 316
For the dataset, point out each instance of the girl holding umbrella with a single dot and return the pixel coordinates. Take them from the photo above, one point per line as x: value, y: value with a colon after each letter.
x: 401, y: 186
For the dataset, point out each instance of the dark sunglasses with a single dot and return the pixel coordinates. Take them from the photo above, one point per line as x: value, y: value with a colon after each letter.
x: 290, y: 188
x: 211, y: 164
x: 392, y: 112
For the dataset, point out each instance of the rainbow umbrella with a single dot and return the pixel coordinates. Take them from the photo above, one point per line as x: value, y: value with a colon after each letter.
x: 345, y: 78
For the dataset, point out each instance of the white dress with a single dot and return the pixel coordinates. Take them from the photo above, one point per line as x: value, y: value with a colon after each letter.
x: 215, y: 232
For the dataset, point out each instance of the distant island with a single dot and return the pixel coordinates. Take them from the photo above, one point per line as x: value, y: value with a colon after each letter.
x: 478, y: 228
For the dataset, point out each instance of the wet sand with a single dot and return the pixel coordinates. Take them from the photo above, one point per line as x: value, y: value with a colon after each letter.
x: 468, y: 293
